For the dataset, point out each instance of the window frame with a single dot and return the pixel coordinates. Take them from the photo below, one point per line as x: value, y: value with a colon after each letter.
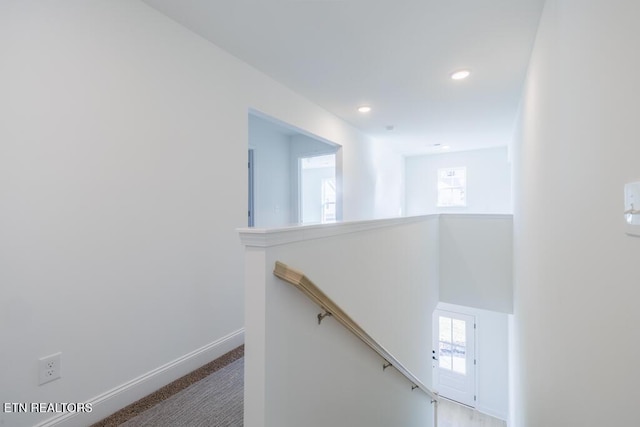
x: 451, y: 187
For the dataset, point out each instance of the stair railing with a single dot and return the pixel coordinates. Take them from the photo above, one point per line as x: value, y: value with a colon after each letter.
x: 300, y: 281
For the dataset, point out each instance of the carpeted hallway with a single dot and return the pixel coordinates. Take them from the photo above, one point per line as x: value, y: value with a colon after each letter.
x: 215, y: 401
x: 211, y: 396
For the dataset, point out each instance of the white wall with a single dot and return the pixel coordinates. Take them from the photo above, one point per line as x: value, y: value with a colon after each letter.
x: 476, y: 261
x: 488, y: 181
x: 384, y: 276
x: 272, y: 174
x: 123, y: 180
x: 576, y: 272
x: 492, y: 350
x: 389, y: 181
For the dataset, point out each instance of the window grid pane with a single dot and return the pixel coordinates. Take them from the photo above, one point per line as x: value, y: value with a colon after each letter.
x: 452, y: 187
x: 452, y: 351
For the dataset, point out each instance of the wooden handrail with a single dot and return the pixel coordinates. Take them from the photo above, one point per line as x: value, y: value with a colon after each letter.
x: 300, y: 281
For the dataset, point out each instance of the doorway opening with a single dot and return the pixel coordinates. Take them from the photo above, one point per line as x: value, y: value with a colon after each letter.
x: 317, y: 189
x: 294, y: 176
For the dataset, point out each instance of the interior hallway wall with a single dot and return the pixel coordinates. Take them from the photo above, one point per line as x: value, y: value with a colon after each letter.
x: 476, y: 261
x: 488, y: 181
x: 576, y: 272
x: 123, y: 180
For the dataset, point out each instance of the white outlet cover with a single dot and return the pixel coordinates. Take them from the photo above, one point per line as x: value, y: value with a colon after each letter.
x: 49, y: 368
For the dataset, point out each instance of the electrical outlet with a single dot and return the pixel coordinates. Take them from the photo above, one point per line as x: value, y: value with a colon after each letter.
x: 49, y: 368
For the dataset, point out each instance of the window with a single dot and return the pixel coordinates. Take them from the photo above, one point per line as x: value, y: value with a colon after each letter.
x: 452, y: 187
x: 452, y: 352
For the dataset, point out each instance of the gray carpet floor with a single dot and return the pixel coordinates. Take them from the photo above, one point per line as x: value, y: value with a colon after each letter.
x: 215, y: 401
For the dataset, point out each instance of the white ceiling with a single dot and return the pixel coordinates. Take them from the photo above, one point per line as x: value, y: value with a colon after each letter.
x: 394, y: 55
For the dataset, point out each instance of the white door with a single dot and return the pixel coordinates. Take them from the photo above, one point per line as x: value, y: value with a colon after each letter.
x: 454, y: 356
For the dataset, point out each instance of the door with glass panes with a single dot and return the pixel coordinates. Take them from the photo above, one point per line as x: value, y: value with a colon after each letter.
x: 454, y: 356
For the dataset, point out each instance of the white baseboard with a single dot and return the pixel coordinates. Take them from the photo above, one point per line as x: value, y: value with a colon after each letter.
x: 117, y: 398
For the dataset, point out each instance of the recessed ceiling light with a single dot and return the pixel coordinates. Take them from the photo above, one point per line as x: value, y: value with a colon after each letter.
x: 461, y: 74
x: 364, y: 109
x: 445, y: 147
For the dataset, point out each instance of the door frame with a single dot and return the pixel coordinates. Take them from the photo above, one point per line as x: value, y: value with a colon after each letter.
x: 251, y: 220
x: 444, y: 380
x: 298, y: 191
